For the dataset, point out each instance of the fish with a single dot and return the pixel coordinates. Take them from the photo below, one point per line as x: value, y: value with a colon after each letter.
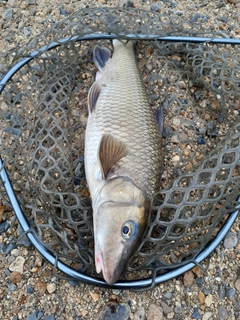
x: 122, y: 157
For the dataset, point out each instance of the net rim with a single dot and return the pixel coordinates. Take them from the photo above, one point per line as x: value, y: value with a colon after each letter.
x: 36, y: 242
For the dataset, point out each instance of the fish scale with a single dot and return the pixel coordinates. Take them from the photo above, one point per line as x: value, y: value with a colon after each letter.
x: 123, y: 110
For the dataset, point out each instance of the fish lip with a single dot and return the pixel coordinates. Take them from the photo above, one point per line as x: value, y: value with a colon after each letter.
x: 109, y: 277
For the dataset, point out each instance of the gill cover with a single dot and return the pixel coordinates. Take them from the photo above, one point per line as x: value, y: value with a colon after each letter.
x: 121, y: 211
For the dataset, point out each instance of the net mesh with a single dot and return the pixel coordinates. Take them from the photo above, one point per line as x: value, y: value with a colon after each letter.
x: 43, y: 115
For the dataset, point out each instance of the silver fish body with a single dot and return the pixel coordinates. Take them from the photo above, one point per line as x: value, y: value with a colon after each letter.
x: 122, y: 157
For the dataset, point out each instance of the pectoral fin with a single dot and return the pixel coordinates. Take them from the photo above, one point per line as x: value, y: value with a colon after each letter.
x: 93, y: 95
x: 101, y: 56
x: 111, y: 151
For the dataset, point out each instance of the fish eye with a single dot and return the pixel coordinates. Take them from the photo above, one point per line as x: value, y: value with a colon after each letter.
x: 128, y: 229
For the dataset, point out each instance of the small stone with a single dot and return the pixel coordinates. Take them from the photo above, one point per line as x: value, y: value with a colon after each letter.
x: 234, y: 1
x: 237, y: 284
x: 116, y: 291
x: 188, y: 278
x: 35, y: 315
x: 7, y: 248
x: 196, y: 314
x: 4, y: 226
x: 195, y: 18
x: 222, y: 312
x: 27, y: 31
x: 208, y: 300
x: 167, y: 295
x: 38, y: 261
x: 201, y: 297
x: 155, y: 7
x: 230, y: 241
x: 115, y: 311
x: 12, y: 287
x: 17, y: 265
x: 51, y: 317
x: 63, y: 11
x: 199, y: 282
x: 51, y: 287
x: 23, y: 239
x: 7, y: 14
x: 140, y: 314
x: 155, y: 312
x: 207, y: 315
x: 32, y: 12
x: 15, y: 277
x: 84, y: 312
x: 175, y: 139
x: 201, y: 140
x: 223, y: 19
x: 221, y: 291
x: 230, y: 293
x: 175, y: 159
x: 177, y: 309
x: 30, y: 289
x: 40, y: 288
x: 15, y: 252
x: 166, y: 308
x: 95, y: 296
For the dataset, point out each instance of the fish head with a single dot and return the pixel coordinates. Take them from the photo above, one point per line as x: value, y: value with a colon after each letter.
x: 119, y: 222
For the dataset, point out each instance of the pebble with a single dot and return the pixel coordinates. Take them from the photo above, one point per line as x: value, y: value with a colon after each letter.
x: 15, y: 252
x: 166, y: 308
x: 51, y: 317
x: 230, y: 241
x: 140, y: 314
x: 51, y: 287
x: 12, y: 287
x: 4, y: 226
x: 201, y: 297
x: 222, y: 312
x: 155, y: 7
x: 234, y: 1
x: 30, y: 289
x: 15, y: 277
x: 188, y: 278
x: 207, y: 315
x: 208, y: 300
x: 237, y: 284
x: 230, y: 293
x: 7, y: 14
x: 40, y: 287
x: 155, y: 312
x: 196, y: 314
x: 23, y: 239
x: 35, y: 315
x: 167, y: 295
x: 221, y: 291
x: 175, y: 139
x: 201, y: 140
x: 115, y: 312
x: 223, y: 19
x: 17, y: 265
x: 27, y: 31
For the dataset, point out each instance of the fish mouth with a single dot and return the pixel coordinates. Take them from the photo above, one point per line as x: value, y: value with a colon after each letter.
x: 110, y: 274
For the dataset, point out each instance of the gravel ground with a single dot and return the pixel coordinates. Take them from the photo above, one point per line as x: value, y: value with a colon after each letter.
x: 30, y: 290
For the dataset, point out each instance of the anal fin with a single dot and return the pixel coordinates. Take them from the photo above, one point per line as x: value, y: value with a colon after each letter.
x: 111, y: 150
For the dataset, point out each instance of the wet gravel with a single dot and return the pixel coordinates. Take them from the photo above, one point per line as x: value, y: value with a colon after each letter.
x: 30, y: 290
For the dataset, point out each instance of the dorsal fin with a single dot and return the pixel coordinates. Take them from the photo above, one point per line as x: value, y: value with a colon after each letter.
x: 101, y: 56
x: 93, y: 95
x: 110, y: 152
